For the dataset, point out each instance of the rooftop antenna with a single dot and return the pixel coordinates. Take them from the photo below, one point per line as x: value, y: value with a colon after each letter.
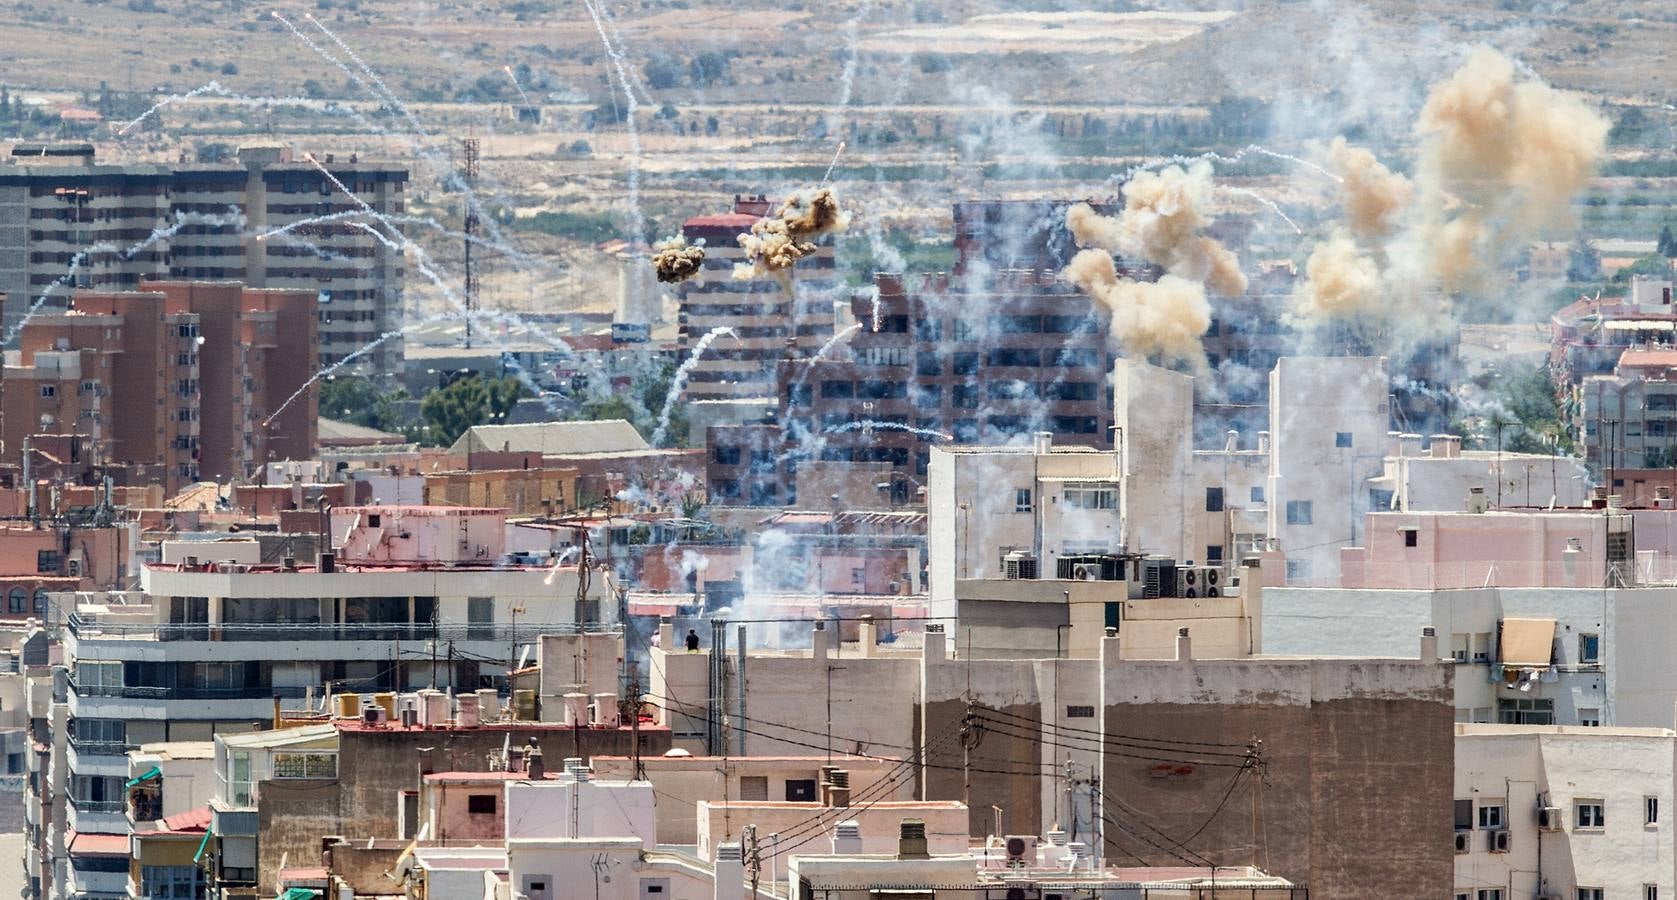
x: 468, y: 171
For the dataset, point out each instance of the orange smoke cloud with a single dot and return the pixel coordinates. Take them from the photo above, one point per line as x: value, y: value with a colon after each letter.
x: 1163, y: 318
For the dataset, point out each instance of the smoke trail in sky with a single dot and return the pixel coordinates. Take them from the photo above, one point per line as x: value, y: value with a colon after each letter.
x: 678, y: 384
x: 637, y: 220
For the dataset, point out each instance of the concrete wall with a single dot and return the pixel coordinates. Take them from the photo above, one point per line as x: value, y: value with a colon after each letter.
x: 682, y: 782
x: 1634, y: 684
x: 880, y: 825
x: 1153, y: 410
x: 1313, y: 401
x: 1374, y: 730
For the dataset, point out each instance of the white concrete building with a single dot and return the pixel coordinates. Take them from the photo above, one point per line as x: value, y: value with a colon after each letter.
x: 1537, y: 656
x: 1440, y: 477
x: 1328, y: 419
x: 1554, y: 811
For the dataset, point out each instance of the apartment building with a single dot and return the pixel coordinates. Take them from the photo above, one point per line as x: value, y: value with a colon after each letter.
x: 1627, y: 419
x: 68, y: 223
x: 769, y: 317
x: 413, y: 597
x: 1523, y: 655
x: 1048, y: 727
x: 1538, y: 814
x: 177, y: 381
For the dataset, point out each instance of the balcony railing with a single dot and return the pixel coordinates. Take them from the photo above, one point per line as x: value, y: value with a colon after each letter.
x: 311, y: 631
x: 100, y: 748
x: 97, y: 806
x: 190, y: 692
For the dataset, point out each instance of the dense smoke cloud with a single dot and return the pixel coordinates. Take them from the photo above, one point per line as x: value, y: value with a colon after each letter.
x: 1165, y: 318
x: 1373, y: 196
x: 1342, y: 280
x: 1500, y: 159
x: 1162, y: 220
x: 776, y: 243
x: 675, y: 262
x: 1163, y: 216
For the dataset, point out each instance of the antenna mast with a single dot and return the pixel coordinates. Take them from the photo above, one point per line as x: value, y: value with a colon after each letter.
x: 468, y: 169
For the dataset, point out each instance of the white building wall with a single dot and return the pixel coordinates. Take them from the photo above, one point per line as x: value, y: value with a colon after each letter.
x: 1523, y: 768
x: 1328, y: 422
x: 1153, y: 412
x: 1634, y: 684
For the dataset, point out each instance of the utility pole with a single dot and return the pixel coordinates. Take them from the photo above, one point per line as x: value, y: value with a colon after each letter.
x: 830, y: 670
x: 754, y: 858
x: 468, y: 169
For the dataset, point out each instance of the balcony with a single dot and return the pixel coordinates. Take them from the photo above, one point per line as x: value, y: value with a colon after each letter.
x: 186, y: 692
x: 101, y: 748
x: 97, y: 807
x: 85, y: 629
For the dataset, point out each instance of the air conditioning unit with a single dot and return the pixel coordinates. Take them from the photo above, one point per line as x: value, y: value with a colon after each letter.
x: 1499, y: 841
x: 1019, y: 565
x: 1085, y: 572
x: 1549, y: 818
x: 1464, y: 841
x: 1199, y: 581
x: 1158, y: 577
x: 1021, y: 849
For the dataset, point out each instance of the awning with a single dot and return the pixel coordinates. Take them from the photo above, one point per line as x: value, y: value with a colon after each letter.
x: 154, y: 773
x: 99, y: 845
x: 299, y: 893
x: 1527, y: 642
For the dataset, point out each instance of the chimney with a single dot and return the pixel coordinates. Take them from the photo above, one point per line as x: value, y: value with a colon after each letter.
x: 1429, y: 644
x: 730, y: 872
x: 1263, y: 442
x: 847, y: 837
x: 535, y: 768
x: 911, y: 840
x: 935, y: 644
x: 576, y: 710
x: 818, y: 643
x: 666, y: 634
x: 1184, y: 645
x: 1042, y: 442
x: 867, y: 634
x: 1233, y: 441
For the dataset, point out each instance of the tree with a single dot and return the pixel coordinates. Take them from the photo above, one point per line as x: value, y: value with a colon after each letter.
x: 359, y: 401
x: 1668, y: 243
x: 468, y: 402
x: 668, y: 111
x: 662, y: 73
x: 1583, y: 262
x: 1654, y: 265
x: 214, y: 152
x: 229, y: 68
x: 313, y: 89
x: 708, y: 68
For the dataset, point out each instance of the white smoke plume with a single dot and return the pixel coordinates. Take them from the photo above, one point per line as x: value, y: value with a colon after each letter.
x: 1163, y: 318
x: 776, y: 243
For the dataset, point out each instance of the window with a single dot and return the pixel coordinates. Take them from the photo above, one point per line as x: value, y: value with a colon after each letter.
x: 1411, y: 537
x: 48, y: 390
x: 1258, y: 494
x: 1459, y: 647
x: 1022, y: 500
x: 1589, y: 649
x: 1650, y: 810
x: 48, y: 560
x: 1482, y: 647
x: 1585, y: 893
x: 1214, y: 553
x: 17, y: 600
x: 1526, y: 712
x: 310, y: 764
x: 1650, y: 892
x: 1298, y: 569
x: 1213, y: 499
x: 480, y: 804
x: 725, y: 456
x: 480, y: 618
x: 964, y: 363
x: 1590, y: 814
x: 800, y: 790
x: 1080, y: 712
x: 1464, y: 815
x: 1298, y: 512
x: 1490, y: 815
x: 754, y: 787
x: 1589, y: 716
x: 1092, y: 497
x: 1342, y: 439
x: 1490, y: 894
